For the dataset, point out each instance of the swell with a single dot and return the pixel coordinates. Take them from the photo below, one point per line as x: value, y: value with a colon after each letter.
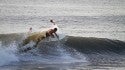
x: 91, y: 44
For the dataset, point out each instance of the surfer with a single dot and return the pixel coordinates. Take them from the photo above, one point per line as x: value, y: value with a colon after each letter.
x: 37, y: 37
x: 52, y: 33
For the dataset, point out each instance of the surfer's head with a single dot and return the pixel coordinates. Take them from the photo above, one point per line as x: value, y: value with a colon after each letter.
x: 55, y: 29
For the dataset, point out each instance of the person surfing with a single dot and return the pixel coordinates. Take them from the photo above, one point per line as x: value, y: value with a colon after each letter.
x: 52, y: 32
x: 37, y: 37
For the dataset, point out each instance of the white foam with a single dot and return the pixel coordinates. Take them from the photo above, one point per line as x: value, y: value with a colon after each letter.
x: 7, y: 54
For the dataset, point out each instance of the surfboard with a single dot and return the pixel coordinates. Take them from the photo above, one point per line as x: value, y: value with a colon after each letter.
x: 35, y: 37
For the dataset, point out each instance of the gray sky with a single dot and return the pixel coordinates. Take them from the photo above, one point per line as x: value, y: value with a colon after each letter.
x: 62, y: 7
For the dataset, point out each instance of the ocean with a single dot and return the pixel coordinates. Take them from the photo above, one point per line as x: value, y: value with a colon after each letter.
x: 86, y: 43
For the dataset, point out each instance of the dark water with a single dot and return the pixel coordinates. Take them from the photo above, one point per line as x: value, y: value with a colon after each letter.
x: 70, y: 53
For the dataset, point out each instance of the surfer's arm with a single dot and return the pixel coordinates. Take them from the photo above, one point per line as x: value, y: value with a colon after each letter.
x: 52, y: 35
x: 52, y: 22
x: 56, y: 35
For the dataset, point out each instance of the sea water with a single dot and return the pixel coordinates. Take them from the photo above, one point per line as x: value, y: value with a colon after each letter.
x: 92, y: 34
x: 86, y: 32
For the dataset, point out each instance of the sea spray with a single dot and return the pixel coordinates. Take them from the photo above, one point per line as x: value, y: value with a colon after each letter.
x: 7, y: 54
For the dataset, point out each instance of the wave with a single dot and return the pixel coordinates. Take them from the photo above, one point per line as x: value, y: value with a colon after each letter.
x: 82, y: 44
x: 68, y: 49
x: 91, y: 44
x: 7, y: 39
x: 46, y: 52
x: 7, y: 54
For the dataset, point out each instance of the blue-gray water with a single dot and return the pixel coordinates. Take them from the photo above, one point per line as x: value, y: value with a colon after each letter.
x: 88, y: 42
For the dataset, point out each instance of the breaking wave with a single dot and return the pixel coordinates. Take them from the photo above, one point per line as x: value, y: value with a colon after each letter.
x: 67, y: 50
x: 46, y: 52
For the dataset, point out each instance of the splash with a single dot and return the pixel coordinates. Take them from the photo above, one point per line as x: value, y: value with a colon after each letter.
x: 7, y: 54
